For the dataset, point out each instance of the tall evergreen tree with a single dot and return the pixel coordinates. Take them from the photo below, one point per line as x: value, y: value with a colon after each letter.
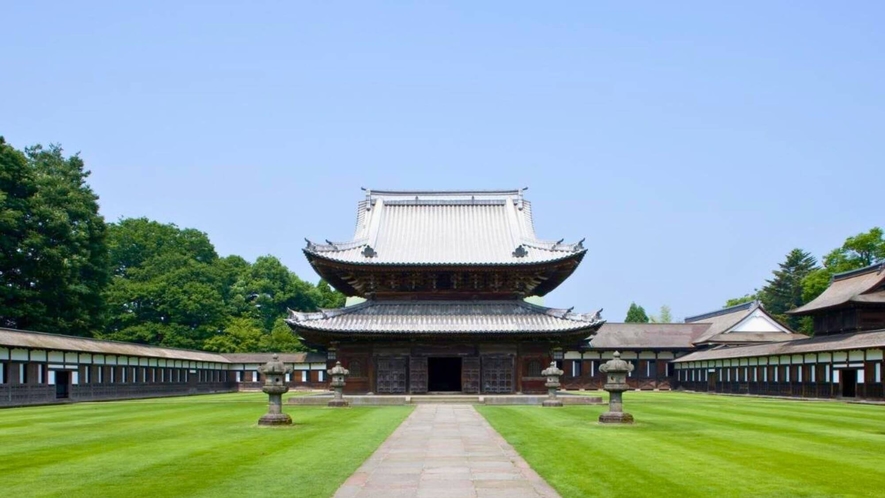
x: 784, y: 292
x: 636, y: 314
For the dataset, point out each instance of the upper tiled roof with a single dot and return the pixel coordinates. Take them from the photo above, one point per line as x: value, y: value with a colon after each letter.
x: 647, y: 335
x: 445, y: 317
x: 444, y: 228
x: 866, y: 285
x: 823, y: 344
x: 26, y: 339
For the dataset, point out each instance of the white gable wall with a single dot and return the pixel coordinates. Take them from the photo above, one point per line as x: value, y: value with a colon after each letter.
x: 757, y: 321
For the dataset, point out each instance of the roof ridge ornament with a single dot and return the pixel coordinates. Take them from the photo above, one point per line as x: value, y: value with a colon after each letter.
x: 520, y: 251
x: 369, y: 252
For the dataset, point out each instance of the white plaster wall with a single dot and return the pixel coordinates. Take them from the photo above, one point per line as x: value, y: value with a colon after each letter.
x: 757, y: 322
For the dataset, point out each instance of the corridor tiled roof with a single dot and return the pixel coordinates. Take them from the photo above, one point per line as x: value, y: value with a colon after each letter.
x: 12, y: 338
x: 823, y: 344
x: 647, y: 335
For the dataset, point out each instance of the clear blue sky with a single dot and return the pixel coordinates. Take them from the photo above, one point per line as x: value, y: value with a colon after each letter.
x: 693, y: 145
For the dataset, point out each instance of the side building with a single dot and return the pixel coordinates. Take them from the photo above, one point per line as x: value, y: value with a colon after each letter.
x: 41, y: 368
x: 653, y: 347
x: 844, y: 359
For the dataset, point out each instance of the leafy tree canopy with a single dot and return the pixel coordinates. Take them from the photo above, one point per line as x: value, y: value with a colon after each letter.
x: 53, y: 253
x: 861, y: 250
x: 746, y: 298
x: 665, y: 315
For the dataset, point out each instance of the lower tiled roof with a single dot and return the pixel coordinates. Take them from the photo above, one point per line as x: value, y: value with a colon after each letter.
x: 445, y: 317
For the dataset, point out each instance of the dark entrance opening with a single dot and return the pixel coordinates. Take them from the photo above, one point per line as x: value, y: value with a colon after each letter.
x: 849, y: 383
x: 444, y: 374
x: 62, y: 381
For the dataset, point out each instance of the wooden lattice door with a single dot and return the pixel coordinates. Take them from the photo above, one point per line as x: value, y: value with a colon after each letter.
x: 391, y: 376
x: 497, y: 374
x: 418, y: 374
x: 470, y: 374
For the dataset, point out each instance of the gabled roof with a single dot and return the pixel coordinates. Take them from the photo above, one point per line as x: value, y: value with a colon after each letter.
x: 622, y: 336
x: 441, y: 318
x: 822, y: 344
x: 444, y: 228
x: 12, y: 338
x: 866, y: 285
x: 743, y: 323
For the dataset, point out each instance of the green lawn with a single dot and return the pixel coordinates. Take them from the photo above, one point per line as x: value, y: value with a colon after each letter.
x: 190, y: 446
x: 702, y: 445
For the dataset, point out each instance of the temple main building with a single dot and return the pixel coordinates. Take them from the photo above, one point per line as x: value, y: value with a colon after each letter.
x: 444, y: 277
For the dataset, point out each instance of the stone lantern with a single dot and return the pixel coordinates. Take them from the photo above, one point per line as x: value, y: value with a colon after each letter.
x: 616, y: 383
x: 338, y: 373
x: 274, y: 385
x: 552, y: 373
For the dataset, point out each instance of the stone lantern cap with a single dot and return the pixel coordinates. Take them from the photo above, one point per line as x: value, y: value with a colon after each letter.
x: 616, y: 365
x: 552, y: 371
x: 338, y: 369
x: 275, y: 366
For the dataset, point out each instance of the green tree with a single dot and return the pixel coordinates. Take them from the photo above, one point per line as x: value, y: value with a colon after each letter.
x: 167, y: 286
x: 636, y: 314
x: 18, y: 301
x: 330, y: 298
x: 53, y: 266
x: 664, y: 316
x: 861, y: 250
x: 281, y: 339
x: 783, y: 292
x: 746, y: 298
x: 241, y: 335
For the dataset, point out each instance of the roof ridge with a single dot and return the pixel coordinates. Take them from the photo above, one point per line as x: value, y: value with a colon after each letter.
x: 725, y: 311
x: 371, y: 192
x: 877, y: 267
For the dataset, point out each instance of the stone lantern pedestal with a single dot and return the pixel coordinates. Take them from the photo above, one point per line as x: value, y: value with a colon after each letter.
x: 616, y: 383
x: 338, y: 373
x: 552, y: 373
x: 274, y: 375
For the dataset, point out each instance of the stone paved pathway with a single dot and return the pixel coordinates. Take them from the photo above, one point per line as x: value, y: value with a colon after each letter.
x: 445, y: 451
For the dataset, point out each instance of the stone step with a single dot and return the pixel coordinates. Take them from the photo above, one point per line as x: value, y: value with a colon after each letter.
x: 420, y: 399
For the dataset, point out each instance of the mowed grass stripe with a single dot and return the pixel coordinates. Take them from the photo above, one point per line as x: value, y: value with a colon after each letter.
x: 698, y: 445
x: 784, y: 428
x: 199, y: 446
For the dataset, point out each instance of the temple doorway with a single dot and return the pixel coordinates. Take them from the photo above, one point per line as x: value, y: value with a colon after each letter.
x: 849, y: 383
x: 444, y: 374
x: 62, y: 381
